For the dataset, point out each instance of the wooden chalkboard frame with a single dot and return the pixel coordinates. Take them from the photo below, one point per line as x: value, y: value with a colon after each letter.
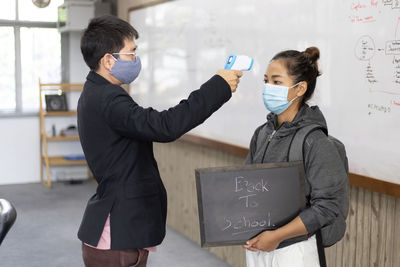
x: 200, y: 172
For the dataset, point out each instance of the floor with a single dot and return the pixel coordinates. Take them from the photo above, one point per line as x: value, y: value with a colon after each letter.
x: 44, y: 234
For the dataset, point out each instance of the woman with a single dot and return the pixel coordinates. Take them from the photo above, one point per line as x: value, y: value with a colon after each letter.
x: 289, y: 83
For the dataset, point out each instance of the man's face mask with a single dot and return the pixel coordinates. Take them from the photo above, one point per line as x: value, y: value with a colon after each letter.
x: 126, y: 70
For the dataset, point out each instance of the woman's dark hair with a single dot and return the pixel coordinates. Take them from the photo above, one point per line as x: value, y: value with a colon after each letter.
x: 302, y: 66
x: 104, y: 34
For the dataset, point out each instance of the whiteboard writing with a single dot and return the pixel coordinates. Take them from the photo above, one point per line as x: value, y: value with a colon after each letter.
x: 184, y: 42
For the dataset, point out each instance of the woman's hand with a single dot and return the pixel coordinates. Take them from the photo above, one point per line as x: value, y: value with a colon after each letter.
x: 270, y: 240
x: 266, y: 241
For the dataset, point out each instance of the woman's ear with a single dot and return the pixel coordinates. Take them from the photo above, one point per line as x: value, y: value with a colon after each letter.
x: 301, y: 88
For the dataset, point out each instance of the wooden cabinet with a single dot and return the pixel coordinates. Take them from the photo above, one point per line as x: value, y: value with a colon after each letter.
x: 46, y: 160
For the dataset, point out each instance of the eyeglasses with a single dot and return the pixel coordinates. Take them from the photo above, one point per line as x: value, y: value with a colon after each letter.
x: 131, y: 54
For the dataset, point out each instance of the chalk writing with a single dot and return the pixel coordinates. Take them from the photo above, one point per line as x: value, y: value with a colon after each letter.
x: 241, y: 184
x: 238, y: 203
x: 248, y: 191
x: 249, y: 202
x: 244, y: 225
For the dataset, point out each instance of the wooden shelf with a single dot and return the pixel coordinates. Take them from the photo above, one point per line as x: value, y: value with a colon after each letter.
x: 60, y: 113
x: 45, y: 160
x: 59, y: 161
x: 65, y: 87
x: 62, y: 138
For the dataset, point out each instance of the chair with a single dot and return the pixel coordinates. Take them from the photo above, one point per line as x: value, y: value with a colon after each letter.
x: 8, y: 214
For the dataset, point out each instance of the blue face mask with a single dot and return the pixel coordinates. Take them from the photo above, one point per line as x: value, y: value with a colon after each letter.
x: 275, y: 97
x: 126, y: 70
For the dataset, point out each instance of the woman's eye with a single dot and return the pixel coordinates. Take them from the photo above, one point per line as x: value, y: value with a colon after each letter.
x: 277, y: 82
x: 265, y: 81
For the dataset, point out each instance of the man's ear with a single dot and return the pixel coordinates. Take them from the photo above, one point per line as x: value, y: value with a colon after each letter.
x: 107, y: 61
x: 301, y: 88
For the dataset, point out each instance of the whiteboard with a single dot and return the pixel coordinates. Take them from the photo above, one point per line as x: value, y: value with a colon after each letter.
x: 184, y: 42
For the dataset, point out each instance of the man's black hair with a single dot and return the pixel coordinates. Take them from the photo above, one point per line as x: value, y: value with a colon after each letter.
x: 104, y: 34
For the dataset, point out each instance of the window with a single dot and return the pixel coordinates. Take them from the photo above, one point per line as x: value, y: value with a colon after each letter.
x: 7, y: 68
x: 31, y: 49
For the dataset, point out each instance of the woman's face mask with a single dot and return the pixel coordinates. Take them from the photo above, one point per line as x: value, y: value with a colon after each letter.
x: 275, y: 97
x: 126, y: 70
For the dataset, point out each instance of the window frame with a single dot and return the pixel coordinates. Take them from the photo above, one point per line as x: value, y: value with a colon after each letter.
x: 16, y: 25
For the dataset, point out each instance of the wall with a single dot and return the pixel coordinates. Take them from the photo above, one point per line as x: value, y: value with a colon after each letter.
x: 183, y: 42
x: 78, y: 68
x: 113, y: 6
x: 373, y: 223
x: 74, y: 68
x: 19, y: 151
x: 372, y: 226
x: 125, y: 5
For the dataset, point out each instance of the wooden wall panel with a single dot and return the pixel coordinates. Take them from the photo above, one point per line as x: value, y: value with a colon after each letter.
x: 372, y: 237
x: 366, y: 218
x: 177, y: 162
x: 396, y: 236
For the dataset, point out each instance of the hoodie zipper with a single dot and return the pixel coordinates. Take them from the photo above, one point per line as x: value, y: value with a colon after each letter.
x: 269, y: 140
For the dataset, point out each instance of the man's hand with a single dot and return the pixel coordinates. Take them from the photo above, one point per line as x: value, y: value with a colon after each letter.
x: 231, y: 77
x: 266, y: 241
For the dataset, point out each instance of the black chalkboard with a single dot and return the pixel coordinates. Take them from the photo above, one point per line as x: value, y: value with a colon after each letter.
x: 237, y: 203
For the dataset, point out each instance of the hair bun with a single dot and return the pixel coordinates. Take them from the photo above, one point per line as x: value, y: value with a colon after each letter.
x: 312, y: 53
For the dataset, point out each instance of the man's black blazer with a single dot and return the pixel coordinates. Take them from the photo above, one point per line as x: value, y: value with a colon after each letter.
x: 116, y: 136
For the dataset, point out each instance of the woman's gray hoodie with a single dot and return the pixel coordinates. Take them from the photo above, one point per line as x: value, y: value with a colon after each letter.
x: 326, y: 177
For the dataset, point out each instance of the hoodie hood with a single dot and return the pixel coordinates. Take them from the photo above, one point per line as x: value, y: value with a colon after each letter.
x: 307, y: 115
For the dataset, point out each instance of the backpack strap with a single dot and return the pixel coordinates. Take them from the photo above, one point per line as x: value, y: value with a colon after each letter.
x: 321, y: 249
x: 260, y: 143
x: 261, y: 133
x: 295, y: 152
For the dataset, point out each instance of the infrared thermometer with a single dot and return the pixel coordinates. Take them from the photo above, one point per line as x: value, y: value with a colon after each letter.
x: 239, y: 62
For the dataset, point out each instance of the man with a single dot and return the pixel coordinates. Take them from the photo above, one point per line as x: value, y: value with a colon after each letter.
x: 126, y: 216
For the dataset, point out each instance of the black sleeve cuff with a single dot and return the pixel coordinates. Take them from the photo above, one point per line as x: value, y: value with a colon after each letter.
x: 221, y: 87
